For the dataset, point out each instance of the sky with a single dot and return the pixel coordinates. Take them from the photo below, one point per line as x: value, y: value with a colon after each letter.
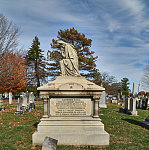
x: 119, y: 30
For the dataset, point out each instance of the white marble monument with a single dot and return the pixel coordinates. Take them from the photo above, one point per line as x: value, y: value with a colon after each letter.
x: 71, y: 107
x: 10, y: 97
x: 133, y: 110
x: 102, y: 101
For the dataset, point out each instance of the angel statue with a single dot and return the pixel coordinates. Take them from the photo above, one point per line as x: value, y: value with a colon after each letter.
x: 69, y: 63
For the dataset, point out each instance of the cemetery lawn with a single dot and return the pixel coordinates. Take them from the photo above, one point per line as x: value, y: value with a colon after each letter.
x: 125, y: 131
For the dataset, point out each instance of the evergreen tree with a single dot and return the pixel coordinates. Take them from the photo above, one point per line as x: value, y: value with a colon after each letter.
x: 36, y: 62
x: 125, y: 87
x: 82, y: 45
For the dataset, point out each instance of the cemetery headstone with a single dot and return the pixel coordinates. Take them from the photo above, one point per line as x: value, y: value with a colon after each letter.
x: 49, y: 144
x: 24, y: 103
x: 102, y: 101
x: 19, y: 111
x: 27, y: 95
x: 133, y: 110
x: 141, y: 99
x: 6, y: 95
x: 127, y: 104
x: 10, y: 97
x: 71, y: 106
x: 147, y: 103
x: 114, y: 100
x: 1, y: 104
x: 31, y: 100
x: 144, y: 103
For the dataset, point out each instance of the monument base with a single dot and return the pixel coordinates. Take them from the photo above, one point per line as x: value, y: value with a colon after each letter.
x: 71, y: 113
x: 72, y: 131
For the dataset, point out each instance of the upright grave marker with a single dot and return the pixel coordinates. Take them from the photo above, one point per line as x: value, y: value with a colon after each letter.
x: 19, y: 111
x: 133, y: 106
x: 102, y: 101
x: 10, y: 97
x: 71, y: 106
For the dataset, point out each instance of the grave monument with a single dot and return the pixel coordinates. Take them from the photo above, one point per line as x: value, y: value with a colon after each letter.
x: 102, y: 101
x: 10, y: 97
x: 71, y: 106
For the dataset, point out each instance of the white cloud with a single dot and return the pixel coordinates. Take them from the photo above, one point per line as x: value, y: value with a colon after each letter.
x: 109, y: 23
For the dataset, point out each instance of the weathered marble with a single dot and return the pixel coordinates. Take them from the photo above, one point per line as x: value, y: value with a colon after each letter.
x: 71, y: 113
x: 133, y: 110
x: 102, y: 101
x: 69, y: 63
x: 10, y: 97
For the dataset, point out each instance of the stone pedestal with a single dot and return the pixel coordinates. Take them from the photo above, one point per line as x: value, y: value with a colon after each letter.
x: 71, y: 113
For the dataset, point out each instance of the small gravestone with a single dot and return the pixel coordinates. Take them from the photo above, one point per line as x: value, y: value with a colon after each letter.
x: 49, y: 144
x: 127, y: 104
x: 10, y: 97
x: 141, y: 102
x: 24, y: 103
x: 27, y: 95
x: 1, y: 104
x: 138, y: 104
x: 147, y: 103
x: 114, y: 101
x: 19, y: 111
x: 133, y: 107
x: 102, y: 102
x: 31, y: 100
x: 6, y: 95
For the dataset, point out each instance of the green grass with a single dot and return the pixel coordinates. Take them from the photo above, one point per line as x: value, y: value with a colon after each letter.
x: 125, y: 130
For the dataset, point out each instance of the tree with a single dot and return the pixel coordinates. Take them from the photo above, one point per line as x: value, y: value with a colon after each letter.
x: 113, y: 89
x: 106, y: 79
x: 125, y: 87
x: 12, y: 73
x: 82, y: 45
x: 142, y: 93
x: 9, y: 33
x: 36, y: 62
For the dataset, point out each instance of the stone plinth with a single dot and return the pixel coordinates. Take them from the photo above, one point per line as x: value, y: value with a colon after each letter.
x: 71, y: 113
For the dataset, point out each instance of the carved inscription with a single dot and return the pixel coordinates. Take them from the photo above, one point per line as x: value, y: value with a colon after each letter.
x: 70, y: 107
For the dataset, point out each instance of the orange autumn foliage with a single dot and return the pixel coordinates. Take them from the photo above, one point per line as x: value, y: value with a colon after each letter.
x: 12, y: 73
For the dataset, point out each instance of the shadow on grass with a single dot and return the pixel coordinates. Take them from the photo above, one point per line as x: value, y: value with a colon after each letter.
x: 35, y: 124
x: 137, y: 123
x: 133, y: 121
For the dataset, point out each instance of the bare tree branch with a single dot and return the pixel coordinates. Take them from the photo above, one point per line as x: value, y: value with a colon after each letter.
x: 9, y: 33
